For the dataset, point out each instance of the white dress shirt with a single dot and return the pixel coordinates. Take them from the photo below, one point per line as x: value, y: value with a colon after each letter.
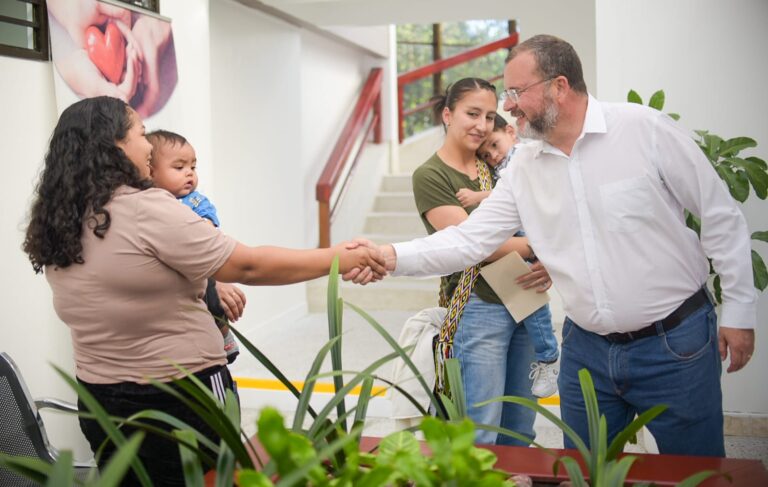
x: 608, y: 223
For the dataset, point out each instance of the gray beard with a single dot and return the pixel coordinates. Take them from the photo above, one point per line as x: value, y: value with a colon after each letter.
x: 538, y: 128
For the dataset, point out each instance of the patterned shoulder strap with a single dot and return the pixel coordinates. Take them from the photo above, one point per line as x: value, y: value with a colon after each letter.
x: 444, y: 346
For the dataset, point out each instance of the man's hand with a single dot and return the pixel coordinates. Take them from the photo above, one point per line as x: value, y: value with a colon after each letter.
x: 740, y: 342
x: 232, y: 300
x: 537, y: 279
x: 385, y: 254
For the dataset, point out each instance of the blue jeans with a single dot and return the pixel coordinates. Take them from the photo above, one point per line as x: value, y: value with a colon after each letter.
x: 495, y: 356
x: 680, y: 368
x: 539, y: 326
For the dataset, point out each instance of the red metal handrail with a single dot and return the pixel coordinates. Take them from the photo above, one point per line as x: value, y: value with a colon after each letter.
x: 369, y: 101
x: 439, y: 66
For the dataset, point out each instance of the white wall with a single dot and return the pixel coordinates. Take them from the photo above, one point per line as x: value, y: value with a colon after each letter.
x: 31, y: 333
x: 573, y: 20
x: 256, y: 132
x: 706, y: 55
x: 280, y: 98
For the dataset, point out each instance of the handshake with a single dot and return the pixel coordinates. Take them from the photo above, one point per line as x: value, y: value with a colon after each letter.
x: 362, y: 261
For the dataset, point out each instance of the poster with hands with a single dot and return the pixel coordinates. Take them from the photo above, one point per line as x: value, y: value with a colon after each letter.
x: 102, y: 49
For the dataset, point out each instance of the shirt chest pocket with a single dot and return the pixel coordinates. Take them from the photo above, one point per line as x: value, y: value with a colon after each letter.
x: 627, y: 204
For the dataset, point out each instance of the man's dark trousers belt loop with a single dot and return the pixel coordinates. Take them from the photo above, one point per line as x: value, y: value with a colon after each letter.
x: 696, y: 301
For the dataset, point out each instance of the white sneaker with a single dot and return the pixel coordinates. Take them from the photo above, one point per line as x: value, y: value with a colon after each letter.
x: 544, y: 377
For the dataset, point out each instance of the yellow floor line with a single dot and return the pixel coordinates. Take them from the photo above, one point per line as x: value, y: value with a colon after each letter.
x: 327, y: 388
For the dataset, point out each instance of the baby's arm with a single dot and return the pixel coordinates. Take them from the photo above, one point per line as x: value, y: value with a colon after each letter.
x: 467, y: 197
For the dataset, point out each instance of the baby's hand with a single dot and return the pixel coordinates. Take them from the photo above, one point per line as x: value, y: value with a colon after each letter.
x: 467, y: 197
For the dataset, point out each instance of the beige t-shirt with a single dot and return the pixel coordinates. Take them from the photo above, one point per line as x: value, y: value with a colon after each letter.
x: 135, y: 306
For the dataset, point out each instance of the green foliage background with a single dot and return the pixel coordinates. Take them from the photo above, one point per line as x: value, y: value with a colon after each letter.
x: 457, y: 37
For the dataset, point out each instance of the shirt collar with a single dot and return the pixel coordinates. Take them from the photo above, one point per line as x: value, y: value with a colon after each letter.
x: 594, y: 123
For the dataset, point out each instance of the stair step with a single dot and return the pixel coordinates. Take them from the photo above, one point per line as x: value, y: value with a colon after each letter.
x: 393, y: 223
x: 397, y: 183
x: 393, y: 293
x: 401, y: 201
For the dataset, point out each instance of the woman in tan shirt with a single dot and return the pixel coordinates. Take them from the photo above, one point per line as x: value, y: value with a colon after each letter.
x: 128, y: 267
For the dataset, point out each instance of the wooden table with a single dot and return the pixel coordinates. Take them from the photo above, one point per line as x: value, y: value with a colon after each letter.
x: 663, y: 470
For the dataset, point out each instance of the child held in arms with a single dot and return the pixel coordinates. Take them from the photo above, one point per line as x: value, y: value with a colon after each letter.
x: 496, y: 151
x: 173, y: 168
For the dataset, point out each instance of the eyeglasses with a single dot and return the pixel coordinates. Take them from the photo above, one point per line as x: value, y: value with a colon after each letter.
x: 514, y: 93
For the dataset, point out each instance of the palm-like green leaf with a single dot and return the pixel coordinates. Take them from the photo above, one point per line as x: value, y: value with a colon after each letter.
x: 762, y: 236
x: 567, y: 430
x: 106, y: 424
x: 190, y: 464
x: 616, y: 471
x: 593, y: 419
x: 309, y: 384
x: 62, y: 474
x: 634, y: 97
x: 31, y: 468
x: 450, y: 408
x: 198, y: 398
x: 402, y: 353
x: 456, y: 386
x: 118, y: 465
x: 574, y: 471
x: 225, y: 467
x: 698, y: 478
x: 674, y: 116
x: 269, y: 365
x: 334, y: 330
x: 341, y: 394
x: 618, y: 443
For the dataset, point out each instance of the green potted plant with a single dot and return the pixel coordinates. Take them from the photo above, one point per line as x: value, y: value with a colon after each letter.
x: 326, y: 452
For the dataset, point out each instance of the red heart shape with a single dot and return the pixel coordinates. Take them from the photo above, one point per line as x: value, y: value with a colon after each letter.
x: 107, y: 51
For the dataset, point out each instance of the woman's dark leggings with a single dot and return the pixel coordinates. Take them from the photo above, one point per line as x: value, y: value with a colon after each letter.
x: 159, y: 456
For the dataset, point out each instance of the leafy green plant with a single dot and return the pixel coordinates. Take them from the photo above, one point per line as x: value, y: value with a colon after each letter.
x: 606, y: 467
x: 739, y: 174
x: 319, y: 449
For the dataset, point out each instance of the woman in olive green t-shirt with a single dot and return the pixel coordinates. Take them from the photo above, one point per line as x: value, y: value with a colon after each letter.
x: 494, y: 351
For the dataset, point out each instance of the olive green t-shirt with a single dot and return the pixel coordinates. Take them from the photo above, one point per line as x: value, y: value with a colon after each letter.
x: 436, y: 184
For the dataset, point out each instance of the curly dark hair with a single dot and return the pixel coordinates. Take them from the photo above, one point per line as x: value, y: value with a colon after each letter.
x: 83, y: 167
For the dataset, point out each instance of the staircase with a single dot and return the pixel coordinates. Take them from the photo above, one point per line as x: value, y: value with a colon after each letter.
x: 393, y: 218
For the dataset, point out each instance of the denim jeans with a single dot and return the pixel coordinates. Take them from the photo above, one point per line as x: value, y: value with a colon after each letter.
x: 495, y: 356
x: 159, y: 456
x: 539, y: 326
x: 680, y: 368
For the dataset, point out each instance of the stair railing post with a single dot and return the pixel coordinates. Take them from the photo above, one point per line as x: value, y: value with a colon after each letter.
x: 324, y: 219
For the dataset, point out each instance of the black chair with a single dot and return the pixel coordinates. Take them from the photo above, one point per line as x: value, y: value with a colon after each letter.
x: 22, y: 432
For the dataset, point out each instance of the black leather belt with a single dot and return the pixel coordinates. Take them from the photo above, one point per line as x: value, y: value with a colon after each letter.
x: 690, y: 305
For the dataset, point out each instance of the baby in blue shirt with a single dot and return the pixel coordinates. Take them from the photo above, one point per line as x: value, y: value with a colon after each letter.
x: 173, y: 168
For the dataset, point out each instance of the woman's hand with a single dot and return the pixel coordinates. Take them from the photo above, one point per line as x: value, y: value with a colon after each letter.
x: 232, y: 300
x: 360, y: 261
x: 537, y: 279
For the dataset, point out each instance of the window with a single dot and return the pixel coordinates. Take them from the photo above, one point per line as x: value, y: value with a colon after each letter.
x: 24, y: 29
x: 151, y: 5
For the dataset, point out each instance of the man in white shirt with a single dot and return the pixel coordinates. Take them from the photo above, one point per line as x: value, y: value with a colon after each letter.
x: 601, y: 192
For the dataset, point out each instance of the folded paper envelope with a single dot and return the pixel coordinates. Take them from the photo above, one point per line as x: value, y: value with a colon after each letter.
x: 501, y: 275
